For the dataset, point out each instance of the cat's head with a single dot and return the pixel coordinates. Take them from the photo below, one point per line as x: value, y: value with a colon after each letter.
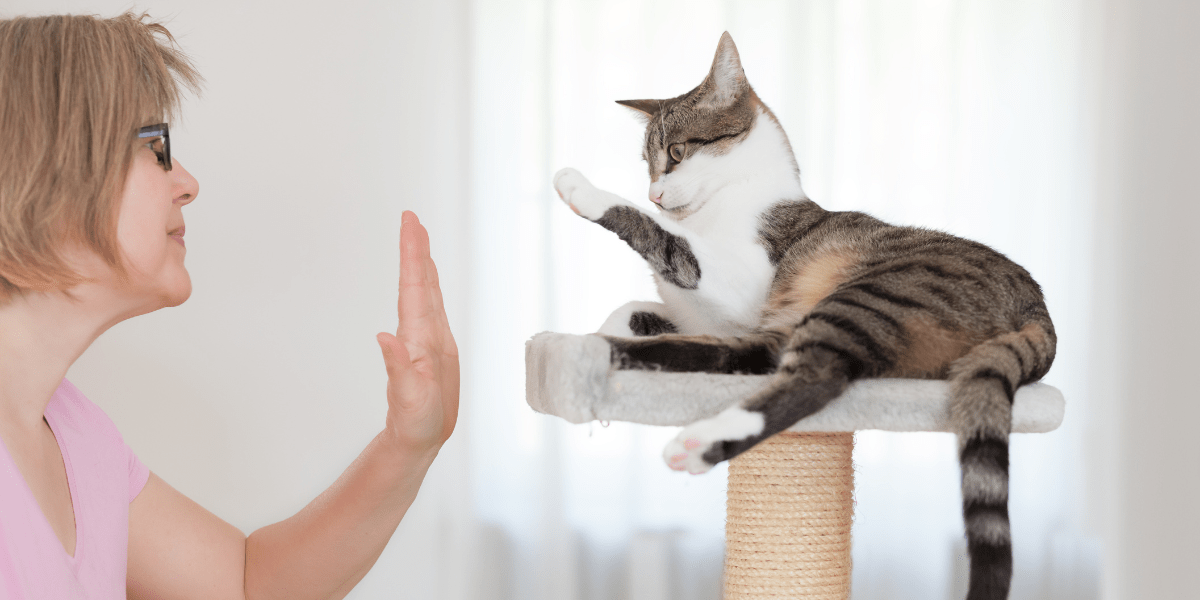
x: 697, y: 143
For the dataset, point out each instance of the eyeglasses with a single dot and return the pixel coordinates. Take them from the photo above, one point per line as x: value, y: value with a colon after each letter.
x: 161, y: 145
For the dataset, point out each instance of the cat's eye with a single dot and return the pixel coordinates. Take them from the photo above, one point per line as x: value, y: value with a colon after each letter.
x: 675, y: 151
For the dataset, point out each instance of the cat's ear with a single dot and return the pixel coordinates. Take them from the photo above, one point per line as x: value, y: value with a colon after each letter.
x: 648, y: 108
x: 726, y: 80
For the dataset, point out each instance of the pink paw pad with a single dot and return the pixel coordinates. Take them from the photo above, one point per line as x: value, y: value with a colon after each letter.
x: 692, y: 444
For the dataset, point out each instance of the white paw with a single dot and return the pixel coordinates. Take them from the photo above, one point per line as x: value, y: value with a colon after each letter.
x: 584, y: 198
x: 686, y: 452
x: 617, y: 323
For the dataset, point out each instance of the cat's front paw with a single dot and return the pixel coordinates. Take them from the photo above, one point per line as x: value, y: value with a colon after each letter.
x: 584, y: 198
x: 638, y: 319
x: 701, y: 445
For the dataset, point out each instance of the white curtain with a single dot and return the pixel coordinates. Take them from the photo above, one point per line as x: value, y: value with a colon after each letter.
x: 962, y: 116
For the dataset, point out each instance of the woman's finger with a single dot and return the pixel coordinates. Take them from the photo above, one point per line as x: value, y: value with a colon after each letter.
x: 444, y: 339
x: 450, y: 388
x: 403, y: 376
x: 395, y: 356
x: 439, y: 308
x: 414, y: 306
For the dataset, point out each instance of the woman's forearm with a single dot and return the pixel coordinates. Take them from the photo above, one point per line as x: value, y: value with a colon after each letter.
x: 324, y: 549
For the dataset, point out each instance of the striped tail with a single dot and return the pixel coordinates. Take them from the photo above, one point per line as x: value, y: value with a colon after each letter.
x: 983, y: 383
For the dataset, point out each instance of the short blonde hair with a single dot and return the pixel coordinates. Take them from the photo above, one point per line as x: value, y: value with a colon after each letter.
x: 73, y: 92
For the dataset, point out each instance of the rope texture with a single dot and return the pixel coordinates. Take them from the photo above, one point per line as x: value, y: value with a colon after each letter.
x: 788, y: 515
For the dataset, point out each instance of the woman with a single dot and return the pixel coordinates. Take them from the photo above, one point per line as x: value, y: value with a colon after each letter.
x: 91, y: 234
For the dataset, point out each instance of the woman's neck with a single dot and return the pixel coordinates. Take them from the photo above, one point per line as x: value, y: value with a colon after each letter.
x: 41, y: 336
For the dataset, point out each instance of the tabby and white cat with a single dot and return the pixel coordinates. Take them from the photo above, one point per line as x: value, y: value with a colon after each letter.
x: 756, y: 278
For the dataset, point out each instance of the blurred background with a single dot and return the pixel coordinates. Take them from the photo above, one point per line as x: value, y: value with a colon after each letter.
x: 1061, y: 132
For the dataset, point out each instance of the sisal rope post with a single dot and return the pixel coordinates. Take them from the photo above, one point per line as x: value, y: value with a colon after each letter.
x: 788, y: 515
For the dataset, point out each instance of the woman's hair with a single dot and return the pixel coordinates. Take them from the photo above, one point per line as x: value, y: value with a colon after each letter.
x: 73, y: 92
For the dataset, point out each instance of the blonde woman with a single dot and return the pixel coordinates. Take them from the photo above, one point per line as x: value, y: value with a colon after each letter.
x: 92, y: 233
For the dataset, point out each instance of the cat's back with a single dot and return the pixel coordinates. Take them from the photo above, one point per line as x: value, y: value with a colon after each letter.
x: 902, y: 272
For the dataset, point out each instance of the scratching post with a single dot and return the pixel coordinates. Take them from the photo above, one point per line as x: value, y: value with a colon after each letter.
x: 790, y: 498
x: 788, y: 517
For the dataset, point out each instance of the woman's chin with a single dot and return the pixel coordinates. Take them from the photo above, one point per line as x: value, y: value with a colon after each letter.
x: 180, y: 294
x: 177, y: 291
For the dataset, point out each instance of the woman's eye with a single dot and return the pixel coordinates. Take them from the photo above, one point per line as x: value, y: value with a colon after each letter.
x: 156, y: 147
x: 675, y: 151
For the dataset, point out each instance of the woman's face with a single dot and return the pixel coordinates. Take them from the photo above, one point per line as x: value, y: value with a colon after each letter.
x: 150, y: 231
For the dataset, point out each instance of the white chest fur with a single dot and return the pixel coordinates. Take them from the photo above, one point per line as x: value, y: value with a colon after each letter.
x: 735, y: 273
x: 729, y: 301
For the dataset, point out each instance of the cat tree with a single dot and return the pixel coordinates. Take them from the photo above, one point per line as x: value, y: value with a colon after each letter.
x: 790, y: 499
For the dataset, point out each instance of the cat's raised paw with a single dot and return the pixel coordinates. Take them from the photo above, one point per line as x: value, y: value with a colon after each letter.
x: 567, y: 181
x: 579, y: 193
x: 700, y: 445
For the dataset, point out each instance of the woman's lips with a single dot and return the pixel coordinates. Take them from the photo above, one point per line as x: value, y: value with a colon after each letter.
x: 177, y: 235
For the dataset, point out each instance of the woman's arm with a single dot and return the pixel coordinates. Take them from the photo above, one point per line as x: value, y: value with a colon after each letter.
x: 179, y: 550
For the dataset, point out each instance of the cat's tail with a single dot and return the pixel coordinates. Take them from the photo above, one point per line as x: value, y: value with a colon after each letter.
x: 983, y: 383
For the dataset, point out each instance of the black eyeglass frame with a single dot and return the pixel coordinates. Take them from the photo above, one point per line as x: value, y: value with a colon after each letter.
x: 159, y: 130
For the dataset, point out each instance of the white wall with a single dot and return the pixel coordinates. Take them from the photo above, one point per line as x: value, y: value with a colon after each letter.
x: 1146, y: 452
x: 320, y: 123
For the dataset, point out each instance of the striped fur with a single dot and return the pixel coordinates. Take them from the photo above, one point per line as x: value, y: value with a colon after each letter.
x: 757, y: 278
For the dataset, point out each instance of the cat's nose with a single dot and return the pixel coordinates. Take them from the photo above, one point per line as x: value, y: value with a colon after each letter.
x: 656, y: 192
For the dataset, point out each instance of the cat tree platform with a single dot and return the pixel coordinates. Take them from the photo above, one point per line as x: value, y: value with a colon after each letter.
x: 790, y: 499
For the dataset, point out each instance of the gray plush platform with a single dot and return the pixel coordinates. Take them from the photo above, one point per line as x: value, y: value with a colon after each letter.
x: 569, y: 376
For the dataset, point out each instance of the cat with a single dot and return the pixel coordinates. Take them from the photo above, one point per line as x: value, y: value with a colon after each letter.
x: 757, y: 278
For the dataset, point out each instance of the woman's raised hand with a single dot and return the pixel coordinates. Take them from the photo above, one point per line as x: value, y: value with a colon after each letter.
x: 422, y: 358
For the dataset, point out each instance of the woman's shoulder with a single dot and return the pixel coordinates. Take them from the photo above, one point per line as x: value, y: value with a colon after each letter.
x: 70, y: 410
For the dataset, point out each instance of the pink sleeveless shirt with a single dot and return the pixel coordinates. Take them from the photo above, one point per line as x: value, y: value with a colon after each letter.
x: 104, y: 477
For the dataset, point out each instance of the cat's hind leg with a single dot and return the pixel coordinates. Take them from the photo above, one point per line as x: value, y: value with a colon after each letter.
x: 638, y: 319
x: 802, y: 390
x: 821, y: 358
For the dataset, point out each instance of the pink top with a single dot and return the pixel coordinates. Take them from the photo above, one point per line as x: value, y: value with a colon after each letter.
x: 104, y: 477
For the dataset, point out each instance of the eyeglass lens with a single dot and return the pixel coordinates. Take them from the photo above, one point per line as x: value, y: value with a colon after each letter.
x: 160, y: 146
